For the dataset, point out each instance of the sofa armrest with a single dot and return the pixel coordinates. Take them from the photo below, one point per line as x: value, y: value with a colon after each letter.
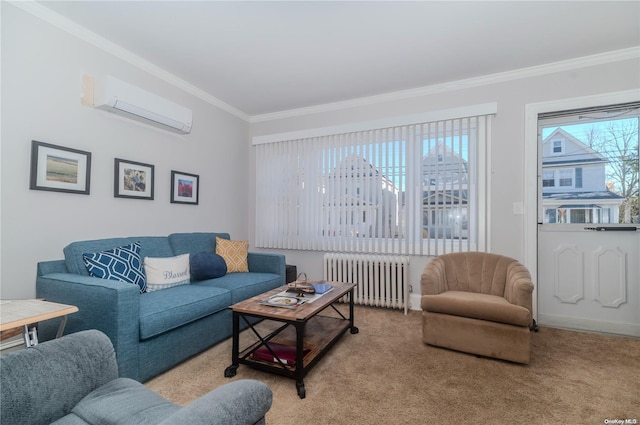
x: 107, y: 305
x: 48, y: 267
x: 519, y: 287
x: 239, y: 402
x: 264, y: 262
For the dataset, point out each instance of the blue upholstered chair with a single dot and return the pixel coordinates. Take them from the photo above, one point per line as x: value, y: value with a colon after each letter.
x: 74, y: 381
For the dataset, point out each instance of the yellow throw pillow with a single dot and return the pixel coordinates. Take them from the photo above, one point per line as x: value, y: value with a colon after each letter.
x: 234, y: 254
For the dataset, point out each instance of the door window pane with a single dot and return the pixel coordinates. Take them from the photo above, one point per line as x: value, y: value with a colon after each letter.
x: 598, y: 181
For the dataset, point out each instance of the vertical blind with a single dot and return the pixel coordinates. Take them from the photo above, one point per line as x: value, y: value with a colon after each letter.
x: 407, y: 189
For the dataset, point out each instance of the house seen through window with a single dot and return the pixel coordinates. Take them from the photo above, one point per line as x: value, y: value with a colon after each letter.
x: 407, y: 189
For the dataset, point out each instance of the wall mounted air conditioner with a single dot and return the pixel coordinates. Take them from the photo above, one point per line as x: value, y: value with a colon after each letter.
x: 127, y: 100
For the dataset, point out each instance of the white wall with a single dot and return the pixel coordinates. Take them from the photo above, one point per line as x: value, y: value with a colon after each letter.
x: 41, y: 73
x: 507, y: 230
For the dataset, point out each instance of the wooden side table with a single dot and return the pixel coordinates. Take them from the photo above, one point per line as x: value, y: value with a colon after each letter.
x: 16, y: 314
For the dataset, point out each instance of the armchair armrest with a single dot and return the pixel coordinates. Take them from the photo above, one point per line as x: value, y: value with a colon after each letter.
x: 433, y: 280
x: 107, y: 305
x: 519, y: 287
x: 239, y: 402
x: 42, y: 384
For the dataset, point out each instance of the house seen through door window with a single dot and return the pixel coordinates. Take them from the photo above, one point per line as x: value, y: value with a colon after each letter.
x: 589, y: 165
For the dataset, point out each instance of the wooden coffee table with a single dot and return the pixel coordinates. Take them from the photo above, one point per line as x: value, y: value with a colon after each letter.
x: 312, y: 334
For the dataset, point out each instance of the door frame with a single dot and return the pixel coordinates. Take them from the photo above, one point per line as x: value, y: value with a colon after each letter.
x: 531, y: 218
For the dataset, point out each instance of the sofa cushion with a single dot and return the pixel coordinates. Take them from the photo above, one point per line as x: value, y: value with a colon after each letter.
x: 244, y: 285
x: 207, y: 265
x: 73, y: 252
x: 122, y: 263
x: 136, y: 404
x: 164, y: 273
x: 193, y: 243
x: 153, y: 246
x: 478, y: 306
x: 161, y: 311
x: 234, y: 254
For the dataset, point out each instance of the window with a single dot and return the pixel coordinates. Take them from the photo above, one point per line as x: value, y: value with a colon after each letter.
x: 565, y: 178
x: 550, y: 215
x: 410, y: 189
x: 578, y: 172
x: 557, y: 146
x: 560, y: 178
x: 548, y: 179
x: 593, y: 177
x: 599, y: 182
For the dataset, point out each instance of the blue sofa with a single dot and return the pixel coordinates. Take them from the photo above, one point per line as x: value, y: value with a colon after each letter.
x: 74, y: 381
x: 152, y: 332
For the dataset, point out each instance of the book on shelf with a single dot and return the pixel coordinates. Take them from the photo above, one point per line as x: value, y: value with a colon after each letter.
x: 286, y: 353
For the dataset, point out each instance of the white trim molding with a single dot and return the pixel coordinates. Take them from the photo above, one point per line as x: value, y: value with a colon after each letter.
x: 102, y: 43
x: 534, y: 71
x: 42, y: 12
x: 444, y: 114
x: 590, y: 325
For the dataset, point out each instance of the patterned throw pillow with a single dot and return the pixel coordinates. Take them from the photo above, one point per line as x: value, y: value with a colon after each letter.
x: 166, y: 272
x: 122, y: 264
x: 234, y: 254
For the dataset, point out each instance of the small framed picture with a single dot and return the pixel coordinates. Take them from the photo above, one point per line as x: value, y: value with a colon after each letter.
x: 184, y: 188
x: 59, y: 169
x: 133, y: 180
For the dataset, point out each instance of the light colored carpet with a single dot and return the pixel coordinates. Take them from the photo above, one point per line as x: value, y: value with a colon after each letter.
x: 386, y: 375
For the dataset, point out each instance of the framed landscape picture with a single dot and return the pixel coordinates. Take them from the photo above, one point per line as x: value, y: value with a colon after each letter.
x: 184, y: 188
x: 59, y: 169
x: 133, y: 180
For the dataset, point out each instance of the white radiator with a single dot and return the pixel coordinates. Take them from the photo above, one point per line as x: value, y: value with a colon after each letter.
x: 381, y: 280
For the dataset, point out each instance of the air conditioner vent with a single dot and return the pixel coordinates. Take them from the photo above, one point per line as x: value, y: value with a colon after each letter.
x: 113, y: 95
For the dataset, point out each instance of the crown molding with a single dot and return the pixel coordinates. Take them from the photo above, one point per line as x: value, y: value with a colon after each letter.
x: 102, y: 43
x: 395, y: 121
x: 47, y: 15
x: 534, y: 71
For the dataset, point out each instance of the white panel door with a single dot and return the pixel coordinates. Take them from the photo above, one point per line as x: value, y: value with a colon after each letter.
x: 588, y: 279
x: 588, y: 231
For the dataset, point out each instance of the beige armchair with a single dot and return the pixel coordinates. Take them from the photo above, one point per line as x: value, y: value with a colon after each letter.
x: 479, y: 303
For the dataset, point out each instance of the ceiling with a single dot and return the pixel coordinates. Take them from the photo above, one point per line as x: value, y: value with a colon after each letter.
x: 270, y: 56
